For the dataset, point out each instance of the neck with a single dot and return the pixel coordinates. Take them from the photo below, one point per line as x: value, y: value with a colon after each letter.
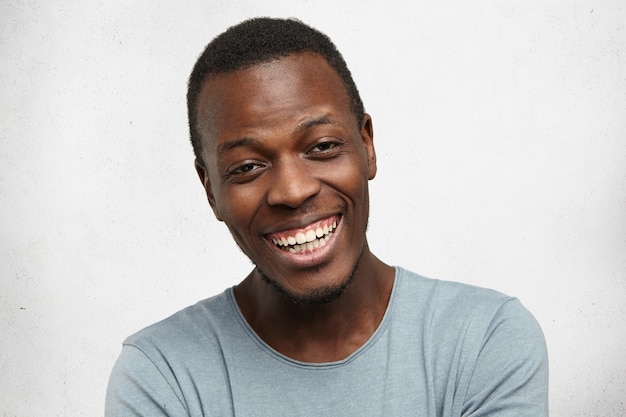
x: 319, y: 332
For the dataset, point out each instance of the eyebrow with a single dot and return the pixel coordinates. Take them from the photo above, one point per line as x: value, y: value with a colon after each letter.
x: 307, y: 124
x: 235, y: 144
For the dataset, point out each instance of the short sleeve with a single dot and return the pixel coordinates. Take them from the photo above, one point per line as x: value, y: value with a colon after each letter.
x: 510, y: 376
x: 137, y: 387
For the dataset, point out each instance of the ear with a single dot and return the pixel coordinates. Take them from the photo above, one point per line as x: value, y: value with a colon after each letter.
x: 367, y: 133
x: 206, y: 183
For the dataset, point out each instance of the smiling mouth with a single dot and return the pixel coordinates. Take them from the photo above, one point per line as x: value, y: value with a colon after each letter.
x: 310, y: 238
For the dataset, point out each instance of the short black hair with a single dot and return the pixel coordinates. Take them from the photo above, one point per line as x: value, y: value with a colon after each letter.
x: 257, y: 41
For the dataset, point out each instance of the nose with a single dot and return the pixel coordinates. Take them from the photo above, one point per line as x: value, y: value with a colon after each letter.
x: 291, y: 184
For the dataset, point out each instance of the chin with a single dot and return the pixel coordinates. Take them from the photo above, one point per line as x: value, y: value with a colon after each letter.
x: 316, y: 296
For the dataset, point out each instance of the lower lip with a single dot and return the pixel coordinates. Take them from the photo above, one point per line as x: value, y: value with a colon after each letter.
x: 309, y: 258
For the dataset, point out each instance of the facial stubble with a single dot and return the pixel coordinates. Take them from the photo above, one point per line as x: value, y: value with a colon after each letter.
x: 320, y: 296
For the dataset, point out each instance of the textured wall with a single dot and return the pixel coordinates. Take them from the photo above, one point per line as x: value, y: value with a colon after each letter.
x: 501, y: 136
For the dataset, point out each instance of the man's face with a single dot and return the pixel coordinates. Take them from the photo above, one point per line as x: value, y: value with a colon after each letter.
x: 287, y: 169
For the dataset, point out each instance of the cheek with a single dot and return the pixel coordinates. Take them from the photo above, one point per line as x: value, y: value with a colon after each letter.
x: 237, y: 213
x: 352, y: 178
x: 238, y: 205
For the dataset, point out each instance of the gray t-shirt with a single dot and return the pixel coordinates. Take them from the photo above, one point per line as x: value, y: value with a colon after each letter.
x: 442, y: 349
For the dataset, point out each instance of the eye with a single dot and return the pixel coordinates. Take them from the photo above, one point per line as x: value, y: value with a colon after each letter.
x: 328, y: 146
x: 249, y: 168
x: 245, y: 168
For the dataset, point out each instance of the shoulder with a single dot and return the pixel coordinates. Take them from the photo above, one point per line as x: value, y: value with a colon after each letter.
x: 198, y: 323
x: 488, y: 343
x: 454, y: 308
x: 159, y: 366
x: 446, y: 300
x: 460, y: 322
x: 188, y: 344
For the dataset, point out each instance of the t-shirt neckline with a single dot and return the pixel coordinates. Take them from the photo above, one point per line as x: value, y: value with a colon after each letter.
x: 314, y: 365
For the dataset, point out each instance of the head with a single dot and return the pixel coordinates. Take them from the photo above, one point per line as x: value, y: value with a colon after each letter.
x: 285, y: 152
x: 257, y: 41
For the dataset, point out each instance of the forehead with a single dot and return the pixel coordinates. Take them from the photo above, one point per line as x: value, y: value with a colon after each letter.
x: 271, y: 95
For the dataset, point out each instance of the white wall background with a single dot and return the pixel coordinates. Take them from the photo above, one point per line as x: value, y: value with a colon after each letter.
x: 501, y: 135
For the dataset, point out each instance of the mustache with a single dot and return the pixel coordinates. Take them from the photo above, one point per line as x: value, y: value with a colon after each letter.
x: 305, y: 209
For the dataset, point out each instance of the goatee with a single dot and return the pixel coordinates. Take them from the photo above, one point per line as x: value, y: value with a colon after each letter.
x: 320, y: 296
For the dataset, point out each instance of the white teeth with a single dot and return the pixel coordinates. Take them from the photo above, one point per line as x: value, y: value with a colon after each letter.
x: 309, y: 240
x: 300, y: 238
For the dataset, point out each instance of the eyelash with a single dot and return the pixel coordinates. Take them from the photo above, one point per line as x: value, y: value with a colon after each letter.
x: 243, y: 169
x: 330, y: 146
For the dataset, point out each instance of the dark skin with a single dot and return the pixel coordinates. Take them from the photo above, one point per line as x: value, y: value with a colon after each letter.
x: 284, y: 157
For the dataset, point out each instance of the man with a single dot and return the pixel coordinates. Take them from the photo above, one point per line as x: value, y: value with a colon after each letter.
x: 320, y: 326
